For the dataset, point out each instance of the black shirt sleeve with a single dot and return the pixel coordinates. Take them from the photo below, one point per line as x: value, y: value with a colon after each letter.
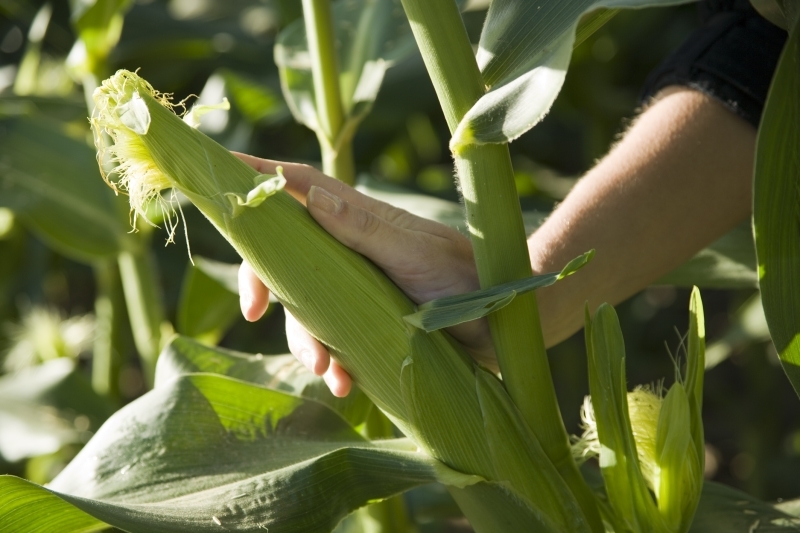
x: 731, y: 57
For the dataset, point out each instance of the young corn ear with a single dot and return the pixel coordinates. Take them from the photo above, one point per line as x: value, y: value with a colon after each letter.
x: 423, y: 381
x: 651, y: 450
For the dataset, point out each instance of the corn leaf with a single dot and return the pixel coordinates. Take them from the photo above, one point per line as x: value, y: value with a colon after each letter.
x: 445, y: 312
x: 675, y: 455
x: 619, y: 463
x: 206, y: 452
x: 183, y: 355
x: 209, y: 301
x: 695, y: 369
x: 59, y: 196
x: 39, y: 406
x: 726, y: 510
x: 547, y: 492
x: 776, y: 208
x: 373, y: 35
x: 525, y: 49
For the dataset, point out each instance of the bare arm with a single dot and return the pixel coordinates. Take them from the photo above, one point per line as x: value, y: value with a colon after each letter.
x: 679, y: 179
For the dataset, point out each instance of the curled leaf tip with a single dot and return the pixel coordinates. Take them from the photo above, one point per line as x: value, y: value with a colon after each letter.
x: 265, y: 186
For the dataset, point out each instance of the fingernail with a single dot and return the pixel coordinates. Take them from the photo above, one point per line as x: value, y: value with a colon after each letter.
x: 324, y: 200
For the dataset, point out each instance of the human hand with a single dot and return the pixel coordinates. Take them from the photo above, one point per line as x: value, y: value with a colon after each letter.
x: 425, y: 259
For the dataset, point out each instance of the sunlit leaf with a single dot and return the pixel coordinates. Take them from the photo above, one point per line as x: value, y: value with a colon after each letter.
x: 206, y: 452
x: 618, y: 458
x: 776, y: 208
x: 452, y: 310
x: 524, y: 52
x: 280, y: 372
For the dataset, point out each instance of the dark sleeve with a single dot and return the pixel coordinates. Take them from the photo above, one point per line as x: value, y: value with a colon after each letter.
x: 731, y: 58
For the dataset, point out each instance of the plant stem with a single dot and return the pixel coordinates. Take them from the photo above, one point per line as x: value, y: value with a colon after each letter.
x: 109, y: 307
x: 498, y: 237
x: 142, y: 294
x: 337, y: 158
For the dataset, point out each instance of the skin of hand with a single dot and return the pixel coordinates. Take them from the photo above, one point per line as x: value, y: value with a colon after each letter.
x: 679, y: 178
x: 426, y: 260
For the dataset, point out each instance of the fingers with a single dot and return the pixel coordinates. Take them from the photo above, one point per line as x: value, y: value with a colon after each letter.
x: 300, y: 179
x: 360, y: 229
x: 316, y: 358
x: 253, y: 294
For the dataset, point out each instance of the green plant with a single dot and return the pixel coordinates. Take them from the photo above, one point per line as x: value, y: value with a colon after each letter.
x: 506, y: 458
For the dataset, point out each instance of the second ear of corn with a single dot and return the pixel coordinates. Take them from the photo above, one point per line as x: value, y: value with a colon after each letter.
x: 650, y: 449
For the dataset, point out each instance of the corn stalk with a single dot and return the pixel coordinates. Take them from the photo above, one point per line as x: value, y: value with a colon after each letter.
x: 498, y: 236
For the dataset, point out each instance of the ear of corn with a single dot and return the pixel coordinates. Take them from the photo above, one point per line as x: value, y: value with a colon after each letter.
x: 650, y: 449
x: 423, y: 381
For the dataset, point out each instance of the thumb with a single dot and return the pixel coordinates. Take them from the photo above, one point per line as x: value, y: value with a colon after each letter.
x: 385, y: 244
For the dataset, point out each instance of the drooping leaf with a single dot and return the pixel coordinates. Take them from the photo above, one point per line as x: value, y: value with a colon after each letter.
x: 183, y: 355
x: 372, y: 36
x: 40, y: 407
x: 776, y: 208
x: 452, y: 310
x: 524, y: 53
x: 50, y: 180
x: 206, y: 452
x: 209, y: 301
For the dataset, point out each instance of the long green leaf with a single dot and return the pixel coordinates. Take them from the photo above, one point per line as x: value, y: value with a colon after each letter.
x: 50, y: 180
x: 445, y: 312
x: 776, y: 208
x: 183, y: 355
x: 206, y: 452
x: 524, y: 53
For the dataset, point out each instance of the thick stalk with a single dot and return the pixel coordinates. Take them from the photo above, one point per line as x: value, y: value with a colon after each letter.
x: 498, y: 237
x: 337, y: 161
x: 109, y: 308
x: 142, y: 294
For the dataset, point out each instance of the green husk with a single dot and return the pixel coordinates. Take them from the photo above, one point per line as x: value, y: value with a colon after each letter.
x: 340, y: 297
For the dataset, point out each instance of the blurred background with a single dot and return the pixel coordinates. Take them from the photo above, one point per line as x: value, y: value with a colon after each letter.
x: 213, y: 48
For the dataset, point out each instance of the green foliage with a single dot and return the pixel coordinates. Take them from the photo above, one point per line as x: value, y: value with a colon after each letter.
x: 61, y: 196
x: 776, y: 208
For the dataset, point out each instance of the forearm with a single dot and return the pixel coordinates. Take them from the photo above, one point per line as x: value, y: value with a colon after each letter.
x: 680, y: 178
